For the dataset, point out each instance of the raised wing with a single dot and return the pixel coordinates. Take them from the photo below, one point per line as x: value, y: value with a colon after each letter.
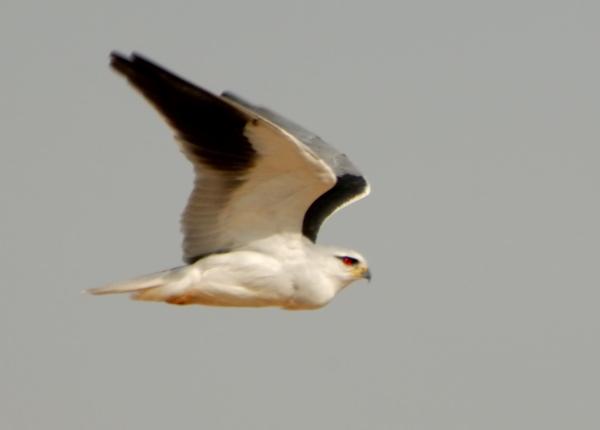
x: 350, y: 185
x: 253, y: 178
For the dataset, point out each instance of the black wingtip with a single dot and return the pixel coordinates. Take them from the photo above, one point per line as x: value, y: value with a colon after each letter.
x: 130, y: 64
x: 116, y: 55
x: 212, y: 128
x: 137, y: 68
x: 120, y: 62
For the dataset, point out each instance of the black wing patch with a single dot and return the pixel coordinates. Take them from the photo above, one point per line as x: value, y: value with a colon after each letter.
x: 212, y: 128
x: 346, y: 188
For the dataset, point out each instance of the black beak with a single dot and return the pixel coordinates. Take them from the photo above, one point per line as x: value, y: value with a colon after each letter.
x: 367, y: 275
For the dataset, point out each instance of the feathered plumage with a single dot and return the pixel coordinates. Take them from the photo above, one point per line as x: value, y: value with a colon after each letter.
x: 263, y: 187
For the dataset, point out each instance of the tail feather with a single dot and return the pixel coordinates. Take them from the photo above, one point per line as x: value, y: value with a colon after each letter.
x: 157, y: 286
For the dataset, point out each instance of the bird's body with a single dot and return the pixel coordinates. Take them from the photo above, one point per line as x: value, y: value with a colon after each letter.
x: 263, y: 187
x: 276, y: 271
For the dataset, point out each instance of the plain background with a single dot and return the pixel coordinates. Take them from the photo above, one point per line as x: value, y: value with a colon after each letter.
x: 477, y: 123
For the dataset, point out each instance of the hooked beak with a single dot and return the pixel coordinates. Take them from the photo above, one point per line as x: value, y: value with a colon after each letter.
x: 367, y: 275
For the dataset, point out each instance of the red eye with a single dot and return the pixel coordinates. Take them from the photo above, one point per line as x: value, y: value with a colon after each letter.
x: 349, y: 261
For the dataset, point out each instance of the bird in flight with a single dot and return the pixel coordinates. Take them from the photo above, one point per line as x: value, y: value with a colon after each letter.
x: 263, y: 187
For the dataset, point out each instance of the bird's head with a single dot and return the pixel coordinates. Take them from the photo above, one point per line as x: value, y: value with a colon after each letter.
x: 348, y: 266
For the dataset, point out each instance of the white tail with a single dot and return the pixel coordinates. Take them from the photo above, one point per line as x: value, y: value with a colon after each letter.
x: 158, y: 286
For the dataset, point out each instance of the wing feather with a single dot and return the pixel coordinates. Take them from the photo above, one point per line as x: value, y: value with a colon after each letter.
x: 350, y: 184
x: 253, y: 178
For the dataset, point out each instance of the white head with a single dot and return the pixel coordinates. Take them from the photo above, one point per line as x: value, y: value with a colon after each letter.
x: 344, y: 265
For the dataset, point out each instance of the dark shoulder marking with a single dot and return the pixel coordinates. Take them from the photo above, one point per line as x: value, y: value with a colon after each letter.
x: 346, y: 188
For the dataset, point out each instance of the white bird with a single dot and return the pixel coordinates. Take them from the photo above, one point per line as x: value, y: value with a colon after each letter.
x: 263, y: 187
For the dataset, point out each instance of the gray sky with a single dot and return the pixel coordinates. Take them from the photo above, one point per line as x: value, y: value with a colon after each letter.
x: 477, y: 125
